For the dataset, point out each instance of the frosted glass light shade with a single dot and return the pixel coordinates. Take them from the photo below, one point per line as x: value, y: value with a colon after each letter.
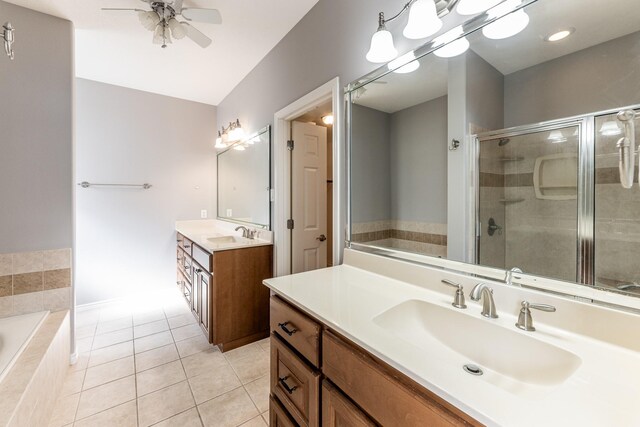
x: 149, y: 19
x: 382, y: 48
x: 472, y: 7
x: 236, y: 134
x: 423, y: 20
x: 177, y: 29
x: 405, y: 64
x: 610, y: 128
x: 507, y: 26
x: 454, y: 48
x: 556, y: 137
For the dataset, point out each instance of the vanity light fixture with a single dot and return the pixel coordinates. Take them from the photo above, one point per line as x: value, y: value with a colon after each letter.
x: 229, y: 134
x: 328, y: 119
x: 556, y: 137
x: 219, y: 142
x: 405, y: 64
x: 8, y: 37
x: 239, y: 147
x: 453, y: 45
x: 509, y: 25
x: 472, y: 7
x: 610, y: 128
x: 560, y: 35
x: 382, y: 48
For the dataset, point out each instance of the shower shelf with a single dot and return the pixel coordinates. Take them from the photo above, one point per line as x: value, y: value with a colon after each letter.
x: 510, y: 201
x: 511, y: 159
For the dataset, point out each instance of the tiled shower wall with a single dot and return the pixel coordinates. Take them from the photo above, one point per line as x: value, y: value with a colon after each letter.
x: 419, y: 237
x: 35, y: 281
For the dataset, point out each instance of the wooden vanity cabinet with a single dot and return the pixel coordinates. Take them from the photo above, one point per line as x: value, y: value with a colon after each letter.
x: 321, y: 378
x: 224, y: 291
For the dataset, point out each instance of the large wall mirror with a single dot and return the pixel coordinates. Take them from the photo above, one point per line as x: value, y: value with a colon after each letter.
x: 503, y: 147
x: 244, y: 176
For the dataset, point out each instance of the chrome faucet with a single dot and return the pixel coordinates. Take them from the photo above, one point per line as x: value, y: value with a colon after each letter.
x: 458, y: 301
x: 484, y: 292
x: 246, y: 233
x: 525, y: 321
x: 508, y: 278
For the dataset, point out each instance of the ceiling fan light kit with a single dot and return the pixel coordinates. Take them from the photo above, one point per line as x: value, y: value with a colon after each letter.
x: 161, y: 19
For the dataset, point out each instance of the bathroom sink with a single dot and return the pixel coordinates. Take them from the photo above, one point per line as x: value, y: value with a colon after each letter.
x: 226, y: 239
x: 480, y: 341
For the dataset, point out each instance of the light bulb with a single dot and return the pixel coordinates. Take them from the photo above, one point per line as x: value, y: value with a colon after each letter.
x: 405, y: 64
x: 178, y: 31
x: 507, y: 26
x: 454, y: 48
x: 149, y: 19
x: 382, y: 48
x: 610, y: 128
x: 423, y: 20
x: 328, y: 120
x: 472, y: 7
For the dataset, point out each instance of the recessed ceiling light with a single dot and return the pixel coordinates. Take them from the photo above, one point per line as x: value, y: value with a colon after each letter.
x: 560, y: 35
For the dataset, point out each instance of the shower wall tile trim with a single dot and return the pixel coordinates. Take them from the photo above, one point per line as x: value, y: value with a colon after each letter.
x: 412, y: 231
x: 35, y: 281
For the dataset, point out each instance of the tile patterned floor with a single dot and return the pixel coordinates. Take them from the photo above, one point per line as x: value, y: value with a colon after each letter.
x: 154, y: 367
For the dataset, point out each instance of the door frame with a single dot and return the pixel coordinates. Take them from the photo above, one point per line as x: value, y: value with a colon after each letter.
x: 282, y: 171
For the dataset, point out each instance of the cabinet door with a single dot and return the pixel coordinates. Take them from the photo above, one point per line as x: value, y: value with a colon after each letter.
x: 195, y: 293
x: 205, y: 283
x: 338, y: 410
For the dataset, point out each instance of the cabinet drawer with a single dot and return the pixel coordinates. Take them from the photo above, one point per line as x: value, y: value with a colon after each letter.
x: 295, y: 384
x: 338, y: 410
x: 278, y: 416
x: 202, y: 257
x: 185, y: 244
x: 387, y: 396
x: 297, y: 329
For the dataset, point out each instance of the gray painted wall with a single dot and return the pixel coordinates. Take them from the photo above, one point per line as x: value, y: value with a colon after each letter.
x: 418, y: 153
x: 371, y: 172
x: 125, y: 237
x: 598, y: 78
x: 36, y: 99
x: 485, y: 93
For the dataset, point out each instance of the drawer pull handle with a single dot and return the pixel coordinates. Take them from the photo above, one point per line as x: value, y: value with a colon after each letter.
x: 187, y: 246
x: 283, y: 382
x: 286, y: 330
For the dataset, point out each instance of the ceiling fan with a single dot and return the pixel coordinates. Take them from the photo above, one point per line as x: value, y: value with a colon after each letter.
x: 162, y: 20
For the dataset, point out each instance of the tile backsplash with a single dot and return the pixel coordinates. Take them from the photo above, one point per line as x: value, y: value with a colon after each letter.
x: 35, y: 281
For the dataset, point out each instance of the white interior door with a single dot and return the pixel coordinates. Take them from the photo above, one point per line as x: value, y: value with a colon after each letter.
x: 309, y: 197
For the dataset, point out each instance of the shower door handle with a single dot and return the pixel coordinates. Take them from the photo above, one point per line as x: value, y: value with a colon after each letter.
x: 627, y: 148
x: 493, y: 227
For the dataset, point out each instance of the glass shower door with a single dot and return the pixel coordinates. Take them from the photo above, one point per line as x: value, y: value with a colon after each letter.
x: 527, y: 201
x: 617, y: 210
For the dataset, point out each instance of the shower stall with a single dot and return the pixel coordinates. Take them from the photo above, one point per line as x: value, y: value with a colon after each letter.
x: 561, y: 199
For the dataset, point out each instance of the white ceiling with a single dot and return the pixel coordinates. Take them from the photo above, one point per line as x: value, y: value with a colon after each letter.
x: 113, y: 47
x: 601, y: 21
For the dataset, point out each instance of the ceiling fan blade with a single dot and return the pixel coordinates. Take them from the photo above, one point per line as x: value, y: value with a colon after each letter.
x: 110, y: 9
x: 209, y: 16
x: 177, y: 6
x: 196, y: 35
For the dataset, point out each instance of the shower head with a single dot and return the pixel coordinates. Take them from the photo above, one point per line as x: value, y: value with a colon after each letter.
x: 503, y: 141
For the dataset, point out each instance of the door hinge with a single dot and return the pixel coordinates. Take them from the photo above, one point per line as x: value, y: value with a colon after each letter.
x: 290, y: 145
x: 289, y: 224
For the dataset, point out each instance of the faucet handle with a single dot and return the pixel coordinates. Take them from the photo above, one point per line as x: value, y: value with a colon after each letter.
x: 458, y: 301
x: 525, y: 321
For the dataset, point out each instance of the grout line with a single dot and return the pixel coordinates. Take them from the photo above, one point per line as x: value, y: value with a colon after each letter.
x: 99, y: 412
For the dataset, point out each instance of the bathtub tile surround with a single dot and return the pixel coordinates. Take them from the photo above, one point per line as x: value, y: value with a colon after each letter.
x: 35, y: 281
x: 157, y: 372
x: 415, y: 236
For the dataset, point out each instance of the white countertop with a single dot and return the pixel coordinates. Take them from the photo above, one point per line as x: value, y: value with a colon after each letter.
x: 604, y: 390
x: 201, y: 231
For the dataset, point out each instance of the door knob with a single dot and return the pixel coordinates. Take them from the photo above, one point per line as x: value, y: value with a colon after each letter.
x: 322, y: 238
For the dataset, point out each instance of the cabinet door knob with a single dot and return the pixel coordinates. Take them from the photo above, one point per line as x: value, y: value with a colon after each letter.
x: 286, y: 330
x: 283, y: 382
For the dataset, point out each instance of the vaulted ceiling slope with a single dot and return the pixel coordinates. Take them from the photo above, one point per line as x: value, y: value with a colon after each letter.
x: 113, y: 47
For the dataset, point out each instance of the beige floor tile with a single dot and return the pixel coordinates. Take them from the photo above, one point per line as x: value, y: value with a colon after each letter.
x: 189, y: 418
x: 252, y: 349
x: 255, y: 422
x: 252, y: 367
x: 108, y: 372
x: 265, y: 417
x: 159, y: 377
x: 114, y: 325
x: 148, y: 317
x: 84, y: 344
x: 150, y: 328
x: 164, y: 403
x: 65, y: 411
x: 106, y: 396
x: 186, y: 332
x: 86, y: 331
x: 153, y: 341
x: 181, y: 320
x: 73, y: 382
x: 259, y: 392
x: 81, y: 363
x: 193, y: 345
x: 177, y: 310
x: 115, y: 311
x: 156, y: 357
x: 265, y: 344
x: 111, y: 353
x: 125, y: 415
x: 213, y: 384
x: 205, y: 361
x: 87, y: 317
x: 231, y: 409
x: 111, y: 338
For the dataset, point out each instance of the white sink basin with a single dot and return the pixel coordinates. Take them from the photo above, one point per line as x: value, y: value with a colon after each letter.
x: 480, y: 341
x: 226, y: 239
